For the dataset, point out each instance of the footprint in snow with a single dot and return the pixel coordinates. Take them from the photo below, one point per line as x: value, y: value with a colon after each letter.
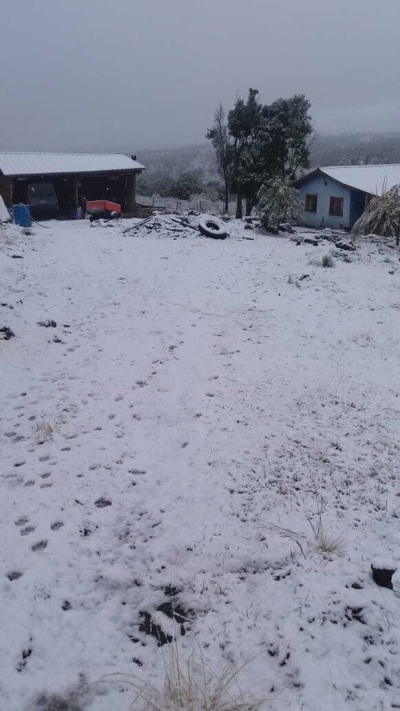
x: 21, y: 521
x: 39, y: 546
x: 102, y: 503
x: 27, y: 530
x: 57, y: 525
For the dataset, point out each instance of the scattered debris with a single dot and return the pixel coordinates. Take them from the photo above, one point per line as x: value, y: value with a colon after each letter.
x: 165, y: 225
x: 345, y: 244
x: 48, y: 324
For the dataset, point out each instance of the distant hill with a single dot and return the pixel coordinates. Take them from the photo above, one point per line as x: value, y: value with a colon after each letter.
x: 341, y: 149
x: 175, y: 161
x: 356, y: 148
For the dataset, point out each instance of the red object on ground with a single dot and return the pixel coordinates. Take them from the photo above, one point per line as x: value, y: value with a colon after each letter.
x: 98, y: 205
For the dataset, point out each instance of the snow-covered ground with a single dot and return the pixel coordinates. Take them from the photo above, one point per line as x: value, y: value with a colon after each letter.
x: 199, y: 418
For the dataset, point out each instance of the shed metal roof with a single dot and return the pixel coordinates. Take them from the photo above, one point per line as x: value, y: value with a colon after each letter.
x: 372, y: 179
x: 53, y: 163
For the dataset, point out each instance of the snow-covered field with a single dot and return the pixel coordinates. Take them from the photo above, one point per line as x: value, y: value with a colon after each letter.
x: 197, y: 427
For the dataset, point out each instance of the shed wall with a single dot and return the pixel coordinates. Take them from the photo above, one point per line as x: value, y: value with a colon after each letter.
x: 325, y: 188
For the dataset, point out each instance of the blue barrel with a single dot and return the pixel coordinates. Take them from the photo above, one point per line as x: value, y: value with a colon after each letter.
x: 22, y: 215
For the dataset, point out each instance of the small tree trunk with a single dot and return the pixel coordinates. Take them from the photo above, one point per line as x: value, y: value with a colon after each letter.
x: 226, y: 198
x: 249, y: 206
x: 239, y: 206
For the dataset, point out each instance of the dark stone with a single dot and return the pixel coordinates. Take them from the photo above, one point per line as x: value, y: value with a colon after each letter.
x: 383, y: 577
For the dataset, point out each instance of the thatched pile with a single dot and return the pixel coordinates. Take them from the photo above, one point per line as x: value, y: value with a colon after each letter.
x: 382, y: 216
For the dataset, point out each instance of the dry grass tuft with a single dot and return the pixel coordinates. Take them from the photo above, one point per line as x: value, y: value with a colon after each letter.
x: 190, y: 686
x: 331, y: 543
x: 45, y: 430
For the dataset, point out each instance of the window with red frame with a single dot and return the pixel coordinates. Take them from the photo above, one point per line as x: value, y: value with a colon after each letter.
x: 336, y: 207
x: 311, y: 203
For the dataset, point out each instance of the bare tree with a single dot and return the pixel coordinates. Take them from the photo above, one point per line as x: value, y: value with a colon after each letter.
x: 219, y: 137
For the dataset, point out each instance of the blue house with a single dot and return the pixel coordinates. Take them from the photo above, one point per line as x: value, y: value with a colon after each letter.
x: 336, y: 196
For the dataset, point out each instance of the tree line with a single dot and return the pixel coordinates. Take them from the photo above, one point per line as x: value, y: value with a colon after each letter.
x: 258, y: 146
x: 159, y: 183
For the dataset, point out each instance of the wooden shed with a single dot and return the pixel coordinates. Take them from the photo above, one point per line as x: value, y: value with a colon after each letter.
x: 75, y: 176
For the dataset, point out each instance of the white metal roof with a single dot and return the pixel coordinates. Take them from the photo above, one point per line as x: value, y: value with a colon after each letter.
x: 373, y: 179
x: 52, y: 163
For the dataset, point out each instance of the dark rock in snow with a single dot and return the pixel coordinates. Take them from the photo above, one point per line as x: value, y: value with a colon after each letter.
x: 344, y: 244
x: 382, y: 576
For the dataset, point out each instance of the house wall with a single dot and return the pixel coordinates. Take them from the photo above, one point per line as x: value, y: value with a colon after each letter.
x: 325, y: 188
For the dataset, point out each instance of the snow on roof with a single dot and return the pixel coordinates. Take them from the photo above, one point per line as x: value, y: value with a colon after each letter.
x: 51, y: 163
x: 373, y: 179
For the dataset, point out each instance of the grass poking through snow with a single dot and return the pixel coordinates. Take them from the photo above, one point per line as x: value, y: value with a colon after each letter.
x: 190, y: 686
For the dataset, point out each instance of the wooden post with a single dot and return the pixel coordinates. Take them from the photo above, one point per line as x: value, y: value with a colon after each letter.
x: 131, y: 193
x: 76, y: 194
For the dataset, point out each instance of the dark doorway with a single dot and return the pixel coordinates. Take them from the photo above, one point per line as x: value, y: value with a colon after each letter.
x: 357, y: 206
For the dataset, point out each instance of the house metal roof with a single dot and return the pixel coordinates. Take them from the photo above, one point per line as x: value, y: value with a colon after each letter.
x: 372, y: 179
x: 54, y: 163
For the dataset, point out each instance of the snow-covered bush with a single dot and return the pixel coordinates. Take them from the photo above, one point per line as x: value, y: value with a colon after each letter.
x: 278, y: 201
x: 328, y: 261
x: 382, y: 216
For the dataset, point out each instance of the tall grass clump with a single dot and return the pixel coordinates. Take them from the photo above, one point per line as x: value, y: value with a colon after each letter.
x: 382, y: 216
x: 190, y: 686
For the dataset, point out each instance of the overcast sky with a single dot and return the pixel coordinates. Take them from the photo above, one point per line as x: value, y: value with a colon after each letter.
x: 129, y: 74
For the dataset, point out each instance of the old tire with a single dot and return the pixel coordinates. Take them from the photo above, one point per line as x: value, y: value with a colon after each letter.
x: 209, y: 227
